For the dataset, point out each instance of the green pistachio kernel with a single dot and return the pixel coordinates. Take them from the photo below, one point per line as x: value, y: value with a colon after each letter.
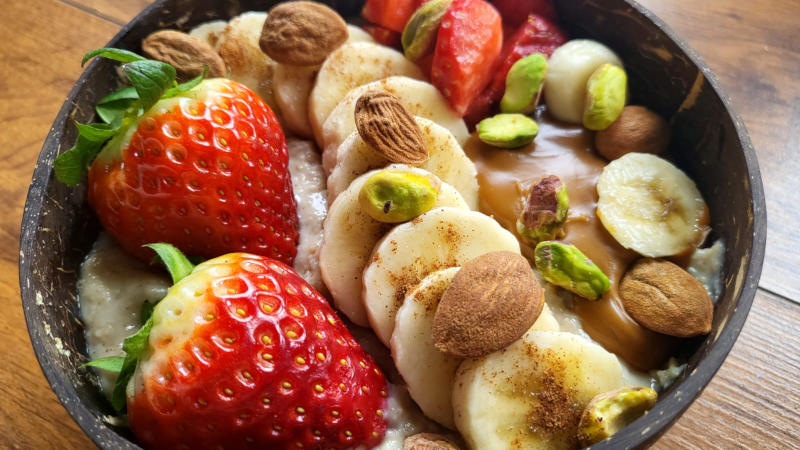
x: 606, y: 94
x: 612, y: 411
x: 566, y: 266
x: 420, y: 32
x: 394, y: 196
x: 545, y: 210
x: 524, y: 84
x: 507, y: 130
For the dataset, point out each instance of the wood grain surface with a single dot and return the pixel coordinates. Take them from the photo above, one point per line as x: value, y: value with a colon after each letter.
x: 753, y: 47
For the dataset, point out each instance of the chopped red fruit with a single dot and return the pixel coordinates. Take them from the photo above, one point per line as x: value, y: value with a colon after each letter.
x: 243, y: 354
x: 467, y: 47
x: 391, y: 14
x: 383, y: 35
x: 514, y: 12
x: 536, y: 35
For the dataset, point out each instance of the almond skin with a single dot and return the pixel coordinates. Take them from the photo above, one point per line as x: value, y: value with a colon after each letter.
x: 493, y: 300
x: 302, y: 33
x: 428, y: 441
x: 187, y: 54
x: 636, y: 130
x: 664, y: 298
x: 387, y: 126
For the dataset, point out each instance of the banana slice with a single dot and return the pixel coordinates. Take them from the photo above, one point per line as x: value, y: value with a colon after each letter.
x: 651, y: 206
x: 420, y: 98
x: 531, y: 394
x: 349, y: 236
x: 348, y: 67
x: 209, y: 31
x: 447, y: 161
x: 238, y: 47
x: 292, y: 86
x: 429, y: 373
x: 440, y: 238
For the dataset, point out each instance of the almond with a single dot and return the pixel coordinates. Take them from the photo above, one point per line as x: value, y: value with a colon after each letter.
x: 302, y: 33
x: 662, y: 297
x: 387, y: 126
x: 187, y: 54
x: 636, y: 130
x: 428, y: 441
x: 493, y: 300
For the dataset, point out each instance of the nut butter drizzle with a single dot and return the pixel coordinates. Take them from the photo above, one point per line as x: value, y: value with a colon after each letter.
x: 565, y: 150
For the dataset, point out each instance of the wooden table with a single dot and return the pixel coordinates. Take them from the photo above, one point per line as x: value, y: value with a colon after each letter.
x: 753, y: 47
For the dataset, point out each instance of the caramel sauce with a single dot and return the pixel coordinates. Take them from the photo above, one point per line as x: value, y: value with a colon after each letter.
x: 505, y: 176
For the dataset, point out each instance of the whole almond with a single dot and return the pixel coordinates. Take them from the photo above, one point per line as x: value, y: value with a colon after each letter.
x: 428, y: 441
x: 188, y: 54
x: 636, y: 130
x: 302, y: 33
x: 387, y: 126
x: 664, y: 298
x: 493, y: 300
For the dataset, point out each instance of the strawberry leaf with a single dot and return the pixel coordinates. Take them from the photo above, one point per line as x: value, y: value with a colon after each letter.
x: 183, y: 87
x: 117, y: 54
x: 96, y: 132
x: 133, y: 346
x: 113, y: 107
x: 110, y: 363
x: 146, y: 311
x: 177, y: 264
x: 71, y: 165
x: 150, y: 79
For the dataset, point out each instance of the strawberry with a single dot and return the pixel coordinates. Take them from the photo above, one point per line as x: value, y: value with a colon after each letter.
x: 536, y: 35
x: 468, y: 43
x: 514, y: 12
x: 243, y: 353
x: 390, y: 14
x: 202, y: 166
x: 383, y: 35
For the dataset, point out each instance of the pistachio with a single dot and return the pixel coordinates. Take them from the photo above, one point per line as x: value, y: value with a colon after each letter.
x: 393, y: 196
x: 419, y: 33
x: 545, y: 210
x: 606, y: 93
x: 566, y: 266
x: 524, y: 84
x: 612, y: 411
x: 507, y: 130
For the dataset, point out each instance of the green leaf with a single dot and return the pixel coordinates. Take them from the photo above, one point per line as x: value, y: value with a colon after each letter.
x: 71, y: 165
x: 117, y: 54
x: 150, y: 79
x: 96, y: 132
x: 177, y: 264
x: 110, y: 363
x: 126, y: 93
x: 133, y: 346
x: 183, y: 87
x: 146, y: 311
x: 113, y: 107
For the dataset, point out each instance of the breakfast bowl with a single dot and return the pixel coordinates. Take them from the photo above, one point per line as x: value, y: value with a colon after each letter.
x: 709, y: 142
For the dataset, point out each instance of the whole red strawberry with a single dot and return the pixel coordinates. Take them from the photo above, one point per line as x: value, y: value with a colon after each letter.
x: 205, y: 169
x: 243, y: 353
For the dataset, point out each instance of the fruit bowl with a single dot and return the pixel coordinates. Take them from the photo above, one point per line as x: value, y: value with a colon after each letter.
x: 710, y: 143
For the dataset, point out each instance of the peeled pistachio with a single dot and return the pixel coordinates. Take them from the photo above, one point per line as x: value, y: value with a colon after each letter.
x: 612, y: 411
x: 524, y: 84
x: 420, y: 31
x: 545, y: 210
x: 507, y: 130
x: 393, y: 196
x: 606, y: 93
x: 566, y: 266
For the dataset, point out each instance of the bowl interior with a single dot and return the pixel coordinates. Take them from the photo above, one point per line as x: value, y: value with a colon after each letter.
x: 709, y: 143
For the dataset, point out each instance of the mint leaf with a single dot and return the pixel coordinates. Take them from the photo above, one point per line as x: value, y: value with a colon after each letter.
x: 177, y: 264
x: 146, y: 311
x: 110, y: 363
x: 117, y: 54
x: 150, y: 79
x: 183, y: 87
x: 70, y: 166
x: 96, y: 132
x: 133, y: 346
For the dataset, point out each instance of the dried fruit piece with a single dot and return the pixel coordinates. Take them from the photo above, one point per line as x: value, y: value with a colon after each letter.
x: 419, y: 33
x: 545, y: 210
x: 302, y: 33
x: 662, y: 297
x: 391, y: 15
x: 606, y: 93
x: 566, y: 266
x: 612, y: 411
x: 514, y: 12
x: 507, y: 130
x: 187, y: 54
x: 636, y: 130
x: 524, y: 84
x: 394, y: 196
x: 386, y: 125
x: 428, y: 441
x: 493, y: 300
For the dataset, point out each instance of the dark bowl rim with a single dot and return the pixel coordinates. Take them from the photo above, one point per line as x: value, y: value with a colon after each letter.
x: 642, y: 431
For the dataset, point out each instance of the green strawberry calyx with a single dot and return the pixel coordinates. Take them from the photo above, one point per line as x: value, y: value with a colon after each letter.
x: 134, y: 346
x: 150, y: 81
